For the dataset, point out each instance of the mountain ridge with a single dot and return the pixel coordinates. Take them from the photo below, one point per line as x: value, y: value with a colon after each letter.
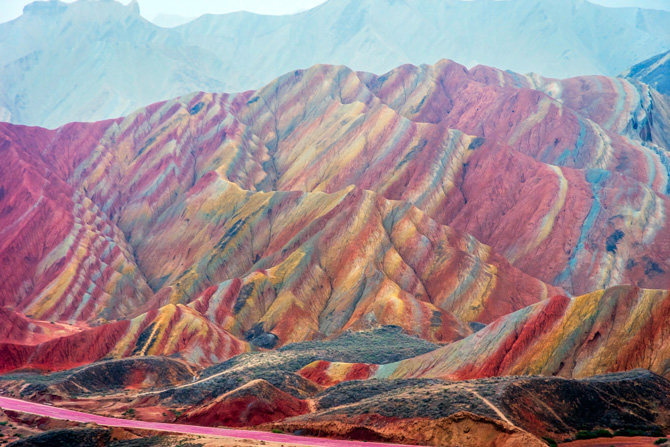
x: 272, y: 178
x: 130, y: 62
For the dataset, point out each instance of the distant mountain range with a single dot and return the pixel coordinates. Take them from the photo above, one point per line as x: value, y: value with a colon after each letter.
x: 654, y: 71
x: 663, y: 5
x: 62, y: 62
x: 170, y: 20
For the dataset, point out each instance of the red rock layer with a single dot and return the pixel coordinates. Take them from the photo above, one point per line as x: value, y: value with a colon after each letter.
x: 619, y: 329
x: 255, y: 403
x: 170, y: 330
x: 62, y: 257
x: 217, y: 201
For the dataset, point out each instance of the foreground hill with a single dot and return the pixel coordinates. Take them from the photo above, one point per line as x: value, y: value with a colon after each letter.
x: 607, y: 331
x: 88, y: 61
x: 247, y: 391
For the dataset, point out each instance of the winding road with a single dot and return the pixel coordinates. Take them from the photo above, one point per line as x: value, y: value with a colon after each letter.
x: 7, y: 403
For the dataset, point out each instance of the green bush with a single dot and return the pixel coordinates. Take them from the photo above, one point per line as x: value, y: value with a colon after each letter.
x: 276, y: 430
x: 656, y: 432
x: 593, y: 434
x: 550, y: 441
x: 602, y: 433
x: 660, y: 441
x: 629, y: 432
x: 583, y: 434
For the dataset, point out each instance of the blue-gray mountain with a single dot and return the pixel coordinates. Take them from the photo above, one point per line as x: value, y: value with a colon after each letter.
x: 654, y: 71
x: 88, y: 60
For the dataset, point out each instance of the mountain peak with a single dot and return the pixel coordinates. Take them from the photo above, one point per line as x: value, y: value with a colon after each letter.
x: 56, y: 7
x: 134, y: 7
x: 51, y: 7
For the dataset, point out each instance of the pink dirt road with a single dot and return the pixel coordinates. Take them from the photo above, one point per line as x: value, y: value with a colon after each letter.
x: 70, y: 415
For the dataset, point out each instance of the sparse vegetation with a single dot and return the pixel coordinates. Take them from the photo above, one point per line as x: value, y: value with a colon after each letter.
x: 550, y: 441
x: 599, y: 433
x: 602, y: 433
x: 276, y: 430
x: 660, y: 441
x: 654, y: 432
x: 627, y: 432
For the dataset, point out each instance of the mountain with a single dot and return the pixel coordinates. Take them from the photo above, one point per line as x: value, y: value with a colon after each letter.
x: 262, y: 388
x: 170, y: 20
x: 615, y: 330
x: 102, y: 58
x: 662, y: 5
x: 654, y: 71
x: 329, y: 200
x: 88, y: 61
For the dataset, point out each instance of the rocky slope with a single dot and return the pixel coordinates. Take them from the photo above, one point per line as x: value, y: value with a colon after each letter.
x: 96, y: 60
x: 207, y: 223
x: 170, y: 330
x: 545, y: 406
x: 421, y: 411
x: 654, y: 71
x: 461, y: 429
x: 618, y: 329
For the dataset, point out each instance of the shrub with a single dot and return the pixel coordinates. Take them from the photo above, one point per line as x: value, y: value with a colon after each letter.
x: 593, y: 434
x: 602, y: 433
x: 276, y: 430
x: 583, y: 434
x: 550, y: 441
x: 656, y: 431
x: 636, y: 432
x: 661, y: 441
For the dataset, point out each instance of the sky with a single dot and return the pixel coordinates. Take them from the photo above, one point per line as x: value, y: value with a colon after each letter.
x: 10, y: 9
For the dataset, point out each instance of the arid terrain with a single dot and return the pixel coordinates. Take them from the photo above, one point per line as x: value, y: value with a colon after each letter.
x: 441, y: 255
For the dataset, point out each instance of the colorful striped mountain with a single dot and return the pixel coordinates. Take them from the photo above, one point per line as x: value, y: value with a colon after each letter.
x: 614, y: 330
x: 434, y: 198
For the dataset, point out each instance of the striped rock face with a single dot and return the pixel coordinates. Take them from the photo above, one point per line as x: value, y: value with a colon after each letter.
x: 63, y: 258
x: 614, y: 330
x: 332, y: 200
x: 169, y: 331
x: 597, y: 169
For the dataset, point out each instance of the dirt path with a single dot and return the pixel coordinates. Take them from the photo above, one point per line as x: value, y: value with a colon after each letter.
x: 490, y: 404
x: 70, y: 415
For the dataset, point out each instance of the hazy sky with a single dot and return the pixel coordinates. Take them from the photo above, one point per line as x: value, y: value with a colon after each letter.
x: 10, y: 9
